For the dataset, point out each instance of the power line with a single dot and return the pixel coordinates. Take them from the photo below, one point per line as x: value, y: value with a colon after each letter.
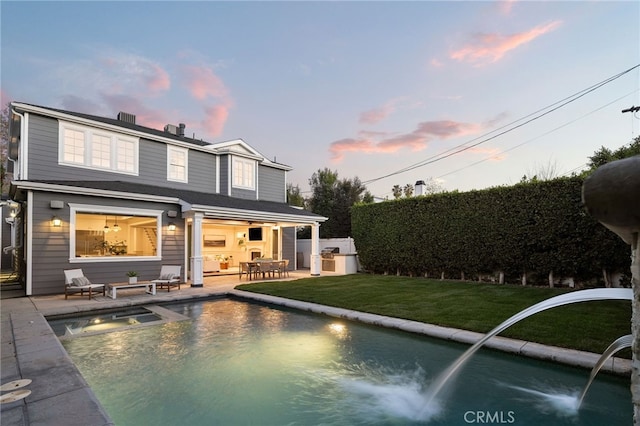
x: 537, y: 137
x: 535, y: 116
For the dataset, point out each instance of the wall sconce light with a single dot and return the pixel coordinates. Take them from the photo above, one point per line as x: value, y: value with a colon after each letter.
x: 172, y: 226
x: 56, y: 221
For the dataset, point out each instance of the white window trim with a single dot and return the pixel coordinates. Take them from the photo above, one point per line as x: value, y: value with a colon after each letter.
x: 184, y: 151
x: 88, y: 133
x: 92, y: 208
x: 253, y: 165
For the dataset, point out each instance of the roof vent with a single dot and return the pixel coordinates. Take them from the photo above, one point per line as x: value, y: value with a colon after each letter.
x: 170, y: 128
x: 126, y: 117
x: 181, y: 127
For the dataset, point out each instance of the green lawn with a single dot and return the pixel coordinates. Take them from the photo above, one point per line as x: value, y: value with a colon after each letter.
x: 589, y: 326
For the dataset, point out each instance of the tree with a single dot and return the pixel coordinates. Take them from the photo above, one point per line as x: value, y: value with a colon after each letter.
x: 408, y: 190
x: 397, y: 191
x: 332, y: 197
x: 294, y: 197
x: 5, y: 116
x: 605, y: 155
x: 542, y: 172
x: 431, y: 186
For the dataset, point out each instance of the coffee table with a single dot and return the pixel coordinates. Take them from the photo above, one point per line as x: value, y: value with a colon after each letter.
x: 112, y: 289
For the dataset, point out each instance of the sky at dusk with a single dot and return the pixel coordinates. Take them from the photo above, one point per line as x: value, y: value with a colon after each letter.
x: 374, y: 90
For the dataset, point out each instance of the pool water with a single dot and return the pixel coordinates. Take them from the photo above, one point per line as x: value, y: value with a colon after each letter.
x: 239, y: 363
x: 67, y: 327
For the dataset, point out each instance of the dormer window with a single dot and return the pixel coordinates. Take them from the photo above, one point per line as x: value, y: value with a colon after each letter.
x: 244, y: 173
x: 92, y: 148
x: 177, y: 160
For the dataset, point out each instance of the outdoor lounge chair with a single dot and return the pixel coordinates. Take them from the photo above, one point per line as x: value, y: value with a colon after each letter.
x: 169, y: 277
x: 75, y: 282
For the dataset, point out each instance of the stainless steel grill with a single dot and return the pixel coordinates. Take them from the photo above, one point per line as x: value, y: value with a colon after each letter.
x: 328, y: 262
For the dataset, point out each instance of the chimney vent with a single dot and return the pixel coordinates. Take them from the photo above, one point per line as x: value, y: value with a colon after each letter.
x: 181, y: 127
x: 420, y: 188
x: 170, y: 128
x: 126, y: 117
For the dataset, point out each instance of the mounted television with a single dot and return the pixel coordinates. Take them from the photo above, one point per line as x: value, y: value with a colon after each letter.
x: 255, y: 234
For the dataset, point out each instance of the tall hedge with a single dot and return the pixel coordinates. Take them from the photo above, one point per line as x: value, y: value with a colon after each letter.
x: 528, y: 229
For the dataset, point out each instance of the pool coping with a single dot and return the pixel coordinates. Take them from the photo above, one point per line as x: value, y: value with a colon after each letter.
x: 60, y: 395
x: 572, y: 357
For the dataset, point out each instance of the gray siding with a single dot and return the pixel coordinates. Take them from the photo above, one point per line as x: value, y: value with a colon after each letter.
x: 224, y: 174
x: 51, y: 245
x: 152, y: 162
x: 43, y: 150
x: 271, y: 184
x: 289, y: 245
x: 245, y: 194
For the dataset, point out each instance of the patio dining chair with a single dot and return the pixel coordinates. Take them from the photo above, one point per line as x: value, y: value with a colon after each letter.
x: 264, y: 268
x: 75, y: 282
x: 169, y: 277
x: 246, y: 268
x: 285, y: 267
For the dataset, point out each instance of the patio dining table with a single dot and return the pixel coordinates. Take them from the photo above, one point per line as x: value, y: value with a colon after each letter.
x: 268, y: 268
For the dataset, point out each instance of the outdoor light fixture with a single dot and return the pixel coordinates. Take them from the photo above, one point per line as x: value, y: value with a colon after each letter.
x: 172, y: 226
x: 56, y: 221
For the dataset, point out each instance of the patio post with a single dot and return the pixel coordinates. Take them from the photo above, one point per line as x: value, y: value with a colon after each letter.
x: 197, y: 271
x: 315, y: 250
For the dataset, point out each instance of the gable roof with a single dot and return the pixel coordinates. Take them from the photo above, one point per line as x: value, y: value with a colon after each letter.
x: 235, y: 146
x: 212, y: 205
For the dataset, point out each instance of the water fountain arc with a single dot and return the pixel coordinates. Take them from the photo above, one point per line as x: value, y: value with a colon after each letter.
x: 563, y: 299
x: 616, y: 346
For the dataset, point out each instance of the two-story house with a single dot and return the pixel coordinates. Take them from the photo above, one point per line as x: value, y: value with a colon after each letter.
x: 110, y: 196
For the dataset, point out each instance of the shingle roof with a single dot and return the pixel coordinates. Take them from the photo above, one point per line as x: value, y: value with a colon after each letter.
x: 191, y: 197
x: 126, y: 125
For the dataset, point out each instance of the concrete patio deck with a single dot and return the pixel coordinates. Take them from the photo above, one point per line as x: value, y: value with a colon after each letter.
x: 61, y: 396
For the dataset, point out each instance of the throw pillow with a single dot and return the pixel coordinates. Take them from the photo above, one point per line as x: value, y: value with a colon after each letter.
x: 80, y: 282
x: 166, y: 277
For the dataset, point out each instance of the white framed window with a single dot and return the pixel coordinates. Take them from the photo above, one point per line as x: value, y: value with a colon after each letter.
x: 101, y: 151
x: 177, y: 161
x: 73, y: 146
x: 244, y: 173
x: 114, y: 234
x: 127, y: 154
x: 87, y: 147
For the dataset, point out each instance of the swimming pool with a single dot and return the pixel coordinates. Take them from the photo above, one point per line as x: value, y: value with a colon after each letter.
x: 244, y: 363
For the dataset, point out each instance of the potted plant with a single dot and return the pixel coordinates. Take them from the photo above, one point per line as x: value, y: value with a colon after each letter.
x: 133, y: 277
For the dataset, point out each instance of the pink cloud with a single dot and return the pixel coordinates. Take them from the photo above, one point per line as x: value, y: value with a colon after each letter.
x: 494, y: 153
x: 128, y: 72
x: 445, y: 129
x: 158, y: 80
x: 203, y: 83
x: 417, y: 140
x: 506, y: 6
x: 144, y: 116
x: 375, y: 115
x: 436, y: 63
x: 5, y: 98
x: 215, y: 119
x: 489, y: 48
